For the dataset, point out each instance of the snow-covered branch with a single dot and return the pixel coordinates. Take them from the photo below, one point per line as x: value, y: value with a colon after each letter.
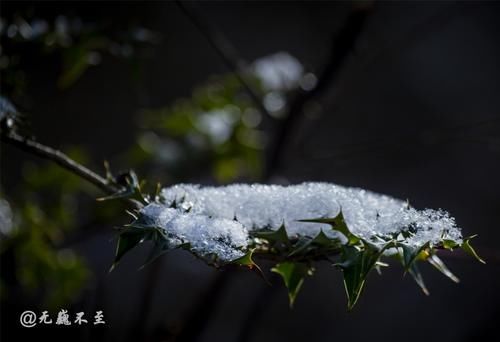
x: 295, y: 225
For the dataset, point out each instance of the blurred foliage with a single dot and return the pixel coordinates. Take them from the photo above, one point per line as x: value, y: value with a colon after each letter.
x: 216, y: 131
x: 48, y: 206
x: 48, y: 209
x: 78, y: 45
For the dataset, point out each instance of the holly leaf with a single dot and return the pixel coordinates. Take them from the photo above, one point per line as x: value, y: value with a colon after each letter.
x: 161, y: 246
x: 411, y: 254
x: 276, y: 238
x: 127, y: 240
x: 449, y: 244
x: 293, y: 274
x: 356, y: 263
x: 338, y: 224
x: 247, y: 261
x: 417, y: 276
x: 435, y: 261
x: 320, y: 241
x: 130, y: 187
x: 466, y: 246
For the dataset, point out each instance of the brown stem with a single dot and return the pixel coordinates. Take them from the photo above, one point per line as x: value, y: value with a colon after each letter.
x: 56, y: 156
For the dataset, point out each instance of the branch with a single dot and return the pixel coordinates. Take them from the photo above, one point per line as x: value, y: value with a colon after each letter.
x: 56, y: 156
x: 341, y: 47
x: 224, y: 49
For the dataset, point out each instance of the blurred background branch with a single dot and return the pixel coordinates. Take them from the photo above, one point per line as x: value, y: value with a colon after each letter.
x: 224, y: 49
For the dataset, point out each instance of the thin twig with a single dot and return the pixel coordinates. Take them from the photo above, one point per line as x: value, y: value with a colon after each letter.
x: 224, y: 49
x: 56, y: 156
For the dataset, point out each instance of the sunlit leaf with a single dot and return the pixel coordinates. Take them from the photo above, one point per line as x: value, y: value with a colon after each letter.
x: 435, y: 261
x: 411, y: 254
x: 450, y: 244
x: 247, y: 261
x: 466, y: 246
x: 417, y: 276
x: 293, y: 274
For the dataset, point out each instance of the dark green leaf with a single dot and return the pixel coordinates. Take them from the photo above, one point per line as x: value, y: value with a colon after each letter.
x: 411, y: 254
x: 293, y: 274
x: 161, y: 246
x: 127, y: 240
x: 356, y: 263
x: 247, y: 260
x: 275, y: 237
x: 466, y: 246
x: 338, y: 224
x: 321, y: 241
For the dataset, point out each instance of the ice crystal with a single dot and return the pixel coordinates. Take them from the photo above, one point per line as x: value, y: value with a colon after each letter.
x: 219, y: 220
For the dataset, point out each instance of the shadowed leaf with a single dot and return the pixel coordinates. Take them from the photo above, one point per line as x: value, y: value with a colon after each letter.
x: 338, y: 224
x: 160, y: 247
x: 127, y: 240
x: 321, y: 241
x: 275, y: 237
x: 356, y: 263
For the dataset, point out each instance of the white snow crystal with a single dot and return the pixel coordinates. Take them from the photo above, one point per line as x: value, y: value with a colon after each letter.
x: 224, y: 237
x: 219, y: 219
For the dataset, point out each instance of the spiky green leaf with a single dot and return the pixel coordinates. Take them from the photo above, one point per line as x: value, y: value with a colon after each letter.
x: 467, y: 247
x: 293, y: 274
x: 356, y: 263
x: 161, y: 245
x: 247, y: 261
x: 319, y: 242
x: 450, y: 244
x: 338, y: 224
x: 127, y: 240
x: 276, y: 238
x: 435, y: 261
x: 411, y: 254
x: 417, y: 276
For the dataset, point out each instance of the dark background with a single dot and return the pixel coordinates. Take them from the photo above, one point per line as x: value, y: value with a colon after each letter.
x: 414, y: 112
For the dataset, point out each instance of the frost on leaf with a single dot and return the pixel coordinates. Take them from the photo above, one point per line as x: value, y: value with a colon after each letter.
x: 258, y: 207
x: 295, y: 225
